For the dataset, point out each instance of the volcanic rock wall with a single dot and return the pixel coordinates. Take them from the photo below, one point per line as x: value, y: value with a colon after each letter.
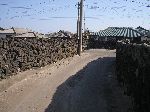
x: 20, y: 54
x: 99, y: 44
x: 133, y: 72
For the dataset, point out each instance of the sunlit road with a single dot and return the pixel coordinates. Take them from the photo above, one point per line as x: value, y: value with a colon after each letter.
x: 77, y: 84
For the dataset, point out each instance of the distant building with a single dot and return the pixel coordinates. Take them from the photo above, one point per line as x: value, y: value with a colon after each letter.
x: 145, y: 33
x: 86, y: 34
x: 13, y: 32
x: 25, y: 35
x: 20, y: 33
x: 60, y: 34
x: 40, y: 35
x: 7, y: 33
x: 145, y: 38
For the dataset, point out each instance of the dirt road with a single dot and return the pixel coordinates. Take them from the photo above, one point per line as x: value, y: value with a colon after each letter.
x: 76, y: 84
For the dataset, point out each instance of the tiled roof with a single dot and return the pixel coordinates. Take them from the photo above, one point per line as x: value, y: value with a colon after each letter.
x: 118, y: 32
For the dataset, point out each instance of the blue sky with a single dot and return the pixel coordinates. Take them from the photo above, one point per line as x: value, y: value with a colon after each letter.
x: 54, y: 15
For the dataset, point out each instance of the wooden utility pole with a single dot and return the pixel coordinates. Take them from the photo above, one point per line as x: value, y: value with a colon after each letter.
x: 80, y: 27
x: 84, y: 23
x: 78, y: 19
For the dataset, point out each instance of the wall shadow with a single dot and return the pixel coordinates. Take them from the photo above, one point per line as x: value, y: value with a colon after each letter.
x: 87, y: 90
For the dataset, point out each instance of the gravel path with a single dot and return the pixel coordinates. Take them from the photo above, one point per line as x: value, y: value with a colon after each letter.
x: 76, y: 84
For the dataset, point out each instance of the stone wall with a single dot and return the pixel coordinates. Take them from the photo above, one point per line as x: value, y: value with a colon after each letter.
x: 99, y: 44
x: 133, y: 72
x: 20, y: 54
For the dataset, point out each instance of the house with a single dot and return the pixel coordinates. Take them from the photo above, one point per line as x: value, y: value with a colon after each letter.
x: 25, y: 35
x: 60, y: 34
x: 146, y: 37
x: 21, y: 30
x: 145, y: 33
x: 116, y: 33
x: 7, y: 33
x: 19, y: 33
x: 40, y: 35
x: 13, y: 32
x: 30, y: 35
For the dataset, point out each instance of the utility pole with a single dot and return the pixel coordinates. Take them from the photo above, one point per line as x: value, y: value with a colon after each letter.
x: 80, y: 27
x: 84, y: 22
x: 78, y: 20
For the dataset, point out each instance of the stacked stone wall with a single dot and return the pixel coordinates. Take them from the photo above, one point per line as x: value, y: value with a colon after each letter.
x: 133, y: 72
x: 20, y: 54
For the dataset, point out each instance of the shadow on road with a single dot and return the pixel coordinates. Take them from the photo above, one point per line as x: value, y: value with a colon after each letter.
x: 92, y: 89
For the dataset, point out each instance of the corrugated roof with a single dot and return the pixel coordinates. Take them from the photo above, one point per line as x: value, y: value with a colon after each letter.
x: 118, y: 32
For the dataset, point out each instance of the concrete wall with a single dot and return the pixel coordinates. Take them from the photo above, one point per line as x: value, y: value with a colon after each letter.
x: 133, y: 72
x: 20, y: 54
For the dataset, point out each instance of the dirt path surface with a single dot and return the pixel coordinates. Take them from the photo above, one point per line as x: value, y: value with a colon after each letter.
x: 76, y: 84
